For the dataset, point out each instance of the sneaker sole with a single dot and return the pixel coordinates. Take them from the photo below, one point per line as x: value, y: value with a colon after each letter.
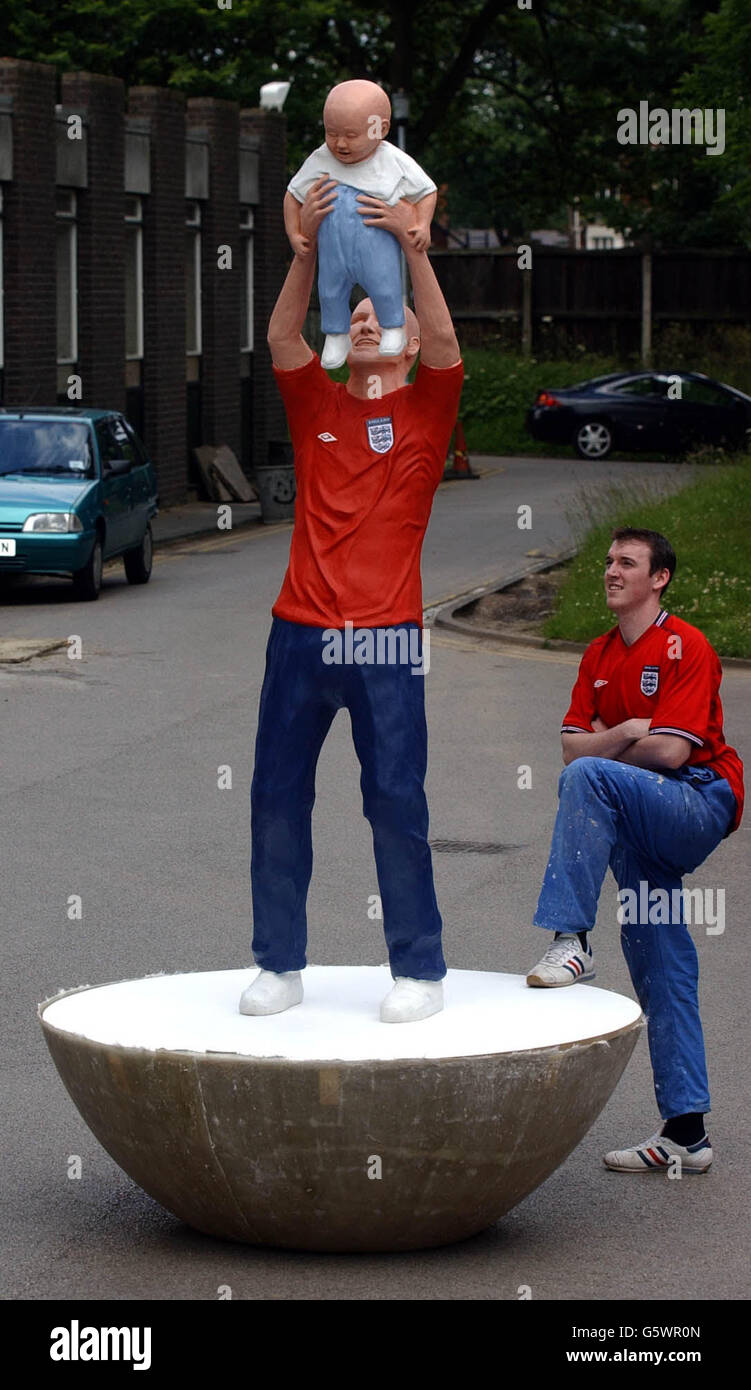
x: 663, y: 1168
x: 635, y: 1172
x: 536, y: 983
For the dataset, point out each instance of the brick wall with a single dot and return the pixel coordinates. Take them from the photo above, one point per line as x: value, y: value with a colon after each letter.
x: 164, y: 288
x: 29, y: 260
x: 272, y: 256
x: 101, y: 243
x: 220, y: 398
x: 30, y: 310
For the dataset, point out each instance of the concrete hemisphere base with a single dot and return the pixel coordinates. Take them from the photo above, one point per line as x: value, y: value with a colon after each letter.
x: 342, y: 1153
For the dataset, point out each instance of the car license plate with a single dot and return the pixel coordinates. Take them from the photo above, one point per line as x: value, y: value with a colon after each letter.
x: 7, y: 546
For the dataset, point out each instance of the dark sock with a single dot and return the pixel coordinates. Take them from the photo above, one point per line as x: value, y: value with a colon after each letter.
x: 685, y: 1129
x: 582, y: 935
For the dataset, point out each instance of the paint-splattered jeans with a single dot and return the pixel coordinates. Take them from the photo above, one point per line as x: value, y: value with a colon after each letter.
x: 651, y: 827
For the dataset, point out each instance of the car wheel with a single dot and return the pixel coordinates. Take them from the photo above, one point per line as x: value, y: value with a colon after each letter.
x: 138, y: 562
x: 593, y: 440
x: 87, y: 582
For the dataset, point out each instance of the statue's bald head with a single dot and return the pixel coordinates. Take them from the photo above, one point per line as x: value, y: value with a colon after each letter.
x: 358, y: 99
x: 365, y: 310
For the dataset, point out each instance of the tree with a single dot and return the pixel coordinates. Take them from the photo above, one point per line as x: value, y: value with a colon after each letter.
x: 514, y: 103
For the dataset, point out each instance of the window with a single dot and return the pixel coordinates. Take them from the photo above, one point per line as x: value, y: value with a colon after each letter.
x: 105, y: 443
x: 67, y: 280
x: 123, y: 441
x: 637, y: 386
x: 193, y: 279
x: 246, y: 279
x: 133, y: 278
x: 33, y: 445
x: 113, y: 442
x: 703, y: 393
x: 139, y: 452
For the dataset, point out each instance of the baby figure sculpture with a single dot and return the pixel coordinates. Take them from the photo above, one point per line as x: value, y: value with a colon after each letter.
x: 357, y: 118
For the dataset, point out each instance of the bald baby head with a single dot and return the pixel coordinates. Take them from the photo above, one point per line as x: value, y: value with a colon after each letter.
x: 357, y: 98
x: 356, y: 118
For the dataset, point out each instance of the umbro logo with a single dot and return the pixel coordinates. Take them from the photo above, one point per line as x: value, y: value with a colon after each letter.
x: 600, y: 683
x: 328, y: 438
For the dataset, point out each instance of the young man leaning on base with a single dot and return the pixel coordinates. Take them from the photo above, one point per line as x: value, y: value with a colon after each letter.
x: 650, y: 787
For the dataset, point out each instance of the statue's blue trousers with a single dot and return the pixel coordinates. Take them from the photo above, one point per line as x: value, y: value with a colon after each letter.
x: 651, y: 828
x: 300, y: 695
x: 351, y: 253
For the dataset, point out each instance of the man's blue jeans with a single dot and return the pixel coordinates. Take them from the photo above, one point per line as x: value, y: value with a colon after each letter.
x: 351, y: 253
x: 386, y: 702
x: 650, y: 827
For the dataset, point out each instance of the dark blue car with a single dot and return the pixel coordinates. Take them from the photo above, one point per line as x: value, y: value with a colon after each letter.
x: 655, y: 412
x: 76, y: 489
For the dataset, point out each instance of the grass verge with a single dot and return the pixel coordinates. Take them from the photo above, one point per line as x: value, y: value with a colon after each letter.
x: 707, y: 522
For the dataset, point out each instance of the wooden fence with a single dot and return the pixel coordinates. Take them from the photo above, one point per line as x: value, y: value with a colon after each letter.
x: 610, y: 301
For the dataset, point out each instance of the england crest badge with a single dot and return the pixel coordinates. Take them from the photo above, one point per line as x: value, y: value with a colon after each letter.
x: 380, y: 433
x: 650, y: 679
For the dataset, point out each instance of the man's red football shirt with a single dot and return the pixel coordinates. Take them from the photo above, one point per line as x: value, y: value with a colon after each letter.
x: 670, y: 675
x: 366, y: 473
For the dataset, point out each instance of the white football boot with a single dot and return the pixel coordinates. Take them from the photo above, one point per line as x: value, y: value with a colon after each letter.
x: 393, y: 341
x: 272, y: 993
x: 411, y: 1000
x: 336, y: 350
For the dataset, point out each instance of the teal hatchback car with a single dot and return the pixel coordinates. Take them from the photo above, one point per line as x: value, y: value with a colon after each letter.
x: 76, y: 489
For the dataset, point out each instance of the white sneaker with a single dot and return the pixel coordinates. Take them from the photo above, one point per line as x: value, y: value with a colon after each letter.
x: 336, y: 350
x: 565, y: 963
x: 393, y: 341
x: 411, y: 1000
x: 272, y: 993
x: 656, y: 1154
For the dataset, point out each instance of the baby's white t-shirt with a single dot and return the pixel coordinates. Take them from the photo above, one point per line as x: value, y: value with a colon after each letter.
x: 389, y: 174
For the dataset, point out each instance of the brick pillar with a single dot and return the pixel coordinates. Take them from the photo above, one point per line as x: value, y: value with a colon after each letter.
x: 29, y: 236
x: 164, y: 389
x: 101, y: 238
x: 272, y: 259
x: 220, y: 299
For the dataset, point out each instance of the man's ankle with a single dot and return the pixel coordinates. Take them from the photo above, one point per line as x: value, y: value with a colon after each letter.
x: 582, y: 935
x: 685, y: 1129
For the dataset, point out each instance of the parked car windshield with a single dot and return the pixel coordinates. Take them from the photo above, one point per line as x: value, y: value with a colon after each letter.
x: 46, y: 447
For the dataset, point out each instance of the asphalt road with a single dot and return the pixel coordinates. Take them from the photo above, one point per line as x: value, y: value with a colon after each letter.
x: 109, y: 791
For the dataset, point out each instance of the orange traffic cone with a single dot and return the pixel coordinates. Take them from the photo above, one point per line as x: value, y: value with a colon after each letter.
x: 460, y: 465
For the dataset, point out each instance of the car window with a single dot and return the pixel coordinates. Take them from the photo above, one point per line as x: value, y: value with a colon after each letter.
x: 105, y: 441
x: 703, y: 393
x: 113, y: 442
x: 636, y: 386
x: 139, y: 452
x: 32, y: 445
x: 123, y: 441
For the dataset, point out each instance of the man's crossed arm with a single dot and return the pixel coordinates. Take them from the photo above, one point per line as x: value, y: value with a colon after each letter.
x: 628, y: 742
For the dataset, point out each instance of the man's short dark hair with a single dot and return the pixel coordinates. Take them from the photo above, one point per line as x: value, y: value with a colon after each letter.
x: 662, y: 555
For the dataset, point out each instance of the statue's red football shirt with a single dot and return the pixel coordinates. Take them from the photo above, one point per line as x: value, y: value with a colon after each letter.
x: 670, y: 675
x: 366, y: 473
